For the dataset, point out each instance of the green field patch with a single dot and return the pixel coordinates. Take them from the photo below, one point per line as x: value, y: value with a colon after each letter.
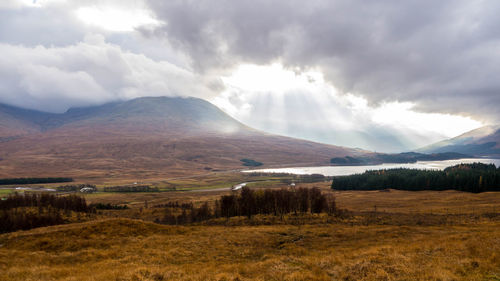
x: 6, y: 191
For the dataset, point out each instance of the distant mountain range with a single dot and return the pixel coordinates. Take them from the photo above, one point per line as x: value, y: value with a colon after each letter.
x: 406, y: 157
x: 484, y: 142
x: 143, y: 138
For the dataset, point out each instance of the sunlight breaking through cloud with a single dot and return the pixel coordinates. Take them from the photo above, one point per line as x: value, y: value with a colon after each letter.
x: 303, y: 104
x: 114, y: 18
x: 320, y: 71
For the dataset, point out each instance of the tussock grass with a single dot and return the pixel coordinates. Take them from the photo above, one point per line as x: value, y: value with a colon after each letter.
x: 427, y: 235
x: 124, y: 249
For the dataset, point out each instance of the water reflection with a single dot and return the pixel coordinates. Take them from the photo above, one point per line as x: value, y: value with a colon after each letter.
x: 349, y: 170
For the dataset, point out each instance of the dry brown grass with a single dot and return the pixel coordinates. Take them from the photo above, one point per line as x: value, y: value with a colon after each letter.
x: 448, y: 202
x: 122, y: 249
x: 117, y: 152
x: 413, y: 236
x: 427, y: 201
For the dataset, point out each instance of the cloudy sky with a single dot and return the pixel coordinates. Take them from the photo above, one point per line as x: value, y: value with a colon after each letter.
x: 383, y: 75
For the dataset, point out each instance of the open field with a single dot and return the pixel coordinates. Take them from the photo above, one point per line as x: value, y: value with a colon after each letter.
x: 207, y: 180
x: 387, y: 201
x: 425, y: 235
x: 5, y: 191
x: 436, y: 202
x: 122, y: 249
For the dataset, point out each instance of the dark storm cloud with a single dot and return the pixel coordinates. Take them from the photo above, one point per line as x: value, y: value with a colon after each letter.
x: 443, y: 55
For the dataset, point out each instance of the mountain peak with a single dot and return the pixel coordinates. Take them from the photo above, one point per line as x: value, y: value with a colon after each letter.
x: 484, y: 141
x: 479, y: 132
x: 174, y: 114
x: 153, y: 137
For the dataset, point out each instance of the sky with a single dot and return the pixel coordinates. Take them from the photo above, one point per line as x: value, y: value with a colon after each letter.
x: 383, y: 75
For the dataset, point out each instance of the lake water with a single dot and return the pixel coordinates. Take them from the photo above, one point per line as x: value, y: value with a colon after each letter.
x: 350, y: 170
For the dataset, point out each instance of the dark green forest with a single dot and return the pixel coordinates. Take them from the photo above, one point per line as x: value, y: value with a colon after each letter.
x: 250, y: 162
x: 33, y: 180
x: 131, y: 188
x: 476, y: 177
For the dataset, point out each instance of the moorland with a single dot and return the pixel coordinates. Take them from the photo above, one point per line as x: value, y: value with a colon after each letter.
x: 375, y: 235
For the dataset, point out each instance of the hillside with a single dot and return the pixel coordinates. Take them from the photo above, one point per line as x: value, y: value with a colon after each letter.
x: 405, y: 157
x: 13, y: 125
x: 484, y: 141
x: 142, y: 139
x: 413, y: 236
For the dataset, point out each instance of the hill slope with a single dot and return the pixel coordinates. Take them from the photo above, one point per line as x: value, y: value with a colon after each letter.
x: 15, y: 122
x: 484, y: 141
x: 144, y: 138
x: 124, y: 249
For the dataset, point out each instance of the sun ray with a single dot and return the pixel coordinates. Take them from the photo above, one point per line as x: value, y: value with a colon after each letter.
x: 275, y: 99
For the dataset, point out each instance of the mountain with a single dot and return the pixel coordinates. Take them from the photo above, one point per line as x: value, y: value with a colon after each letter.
x: 484, y: 142
x: 15, y: 122
x: 143, y: 138
x: 405, y: 157
x: 187, y: 115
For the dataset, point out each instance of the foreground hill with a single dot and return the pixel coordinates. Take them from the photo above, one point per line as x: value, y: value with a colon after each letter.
x: 123, y: 249
x: 484, y: 141
x: 143, y: 138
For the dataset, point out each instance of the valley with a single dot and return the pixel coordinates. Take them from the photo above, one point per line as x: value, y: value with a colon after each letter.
x: 149, y: 140
x: 166, y: 199
x: 393, y: 235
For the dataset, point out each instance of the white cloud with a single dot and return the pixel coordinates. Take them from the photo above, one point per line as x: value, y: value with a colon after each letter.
x: 17, y: 4
x: 441, y: 55
x: 90, y: 72
x: 48, y: 82
x: 351, y: 65
x: 115, y: 18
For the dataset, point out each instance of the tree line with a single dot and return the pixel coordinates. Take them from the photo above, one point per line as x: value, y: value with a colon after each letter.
x: 131, y: 188
x: 475, y: 177
x: 108, y: 206
x: 33, y: 180
x: 311, y: 178
x: 75, y: 187
x: 293, y: 178
x: 254, y: 202
x: 250, y: 162
x: 67, y: 202
x: 30, y: 210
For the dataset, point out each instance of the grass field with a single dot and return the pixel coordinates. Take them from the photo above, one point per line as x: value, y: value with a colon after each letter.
x: 122, y: 249
x: 390, y: 235
x: 5, y: 191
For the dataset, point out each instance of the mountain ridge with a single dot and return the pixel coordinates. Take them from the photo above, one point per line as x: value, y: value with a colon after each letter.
x: 482, y: 142
x: 147, y: 138
x: 164, y: 108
